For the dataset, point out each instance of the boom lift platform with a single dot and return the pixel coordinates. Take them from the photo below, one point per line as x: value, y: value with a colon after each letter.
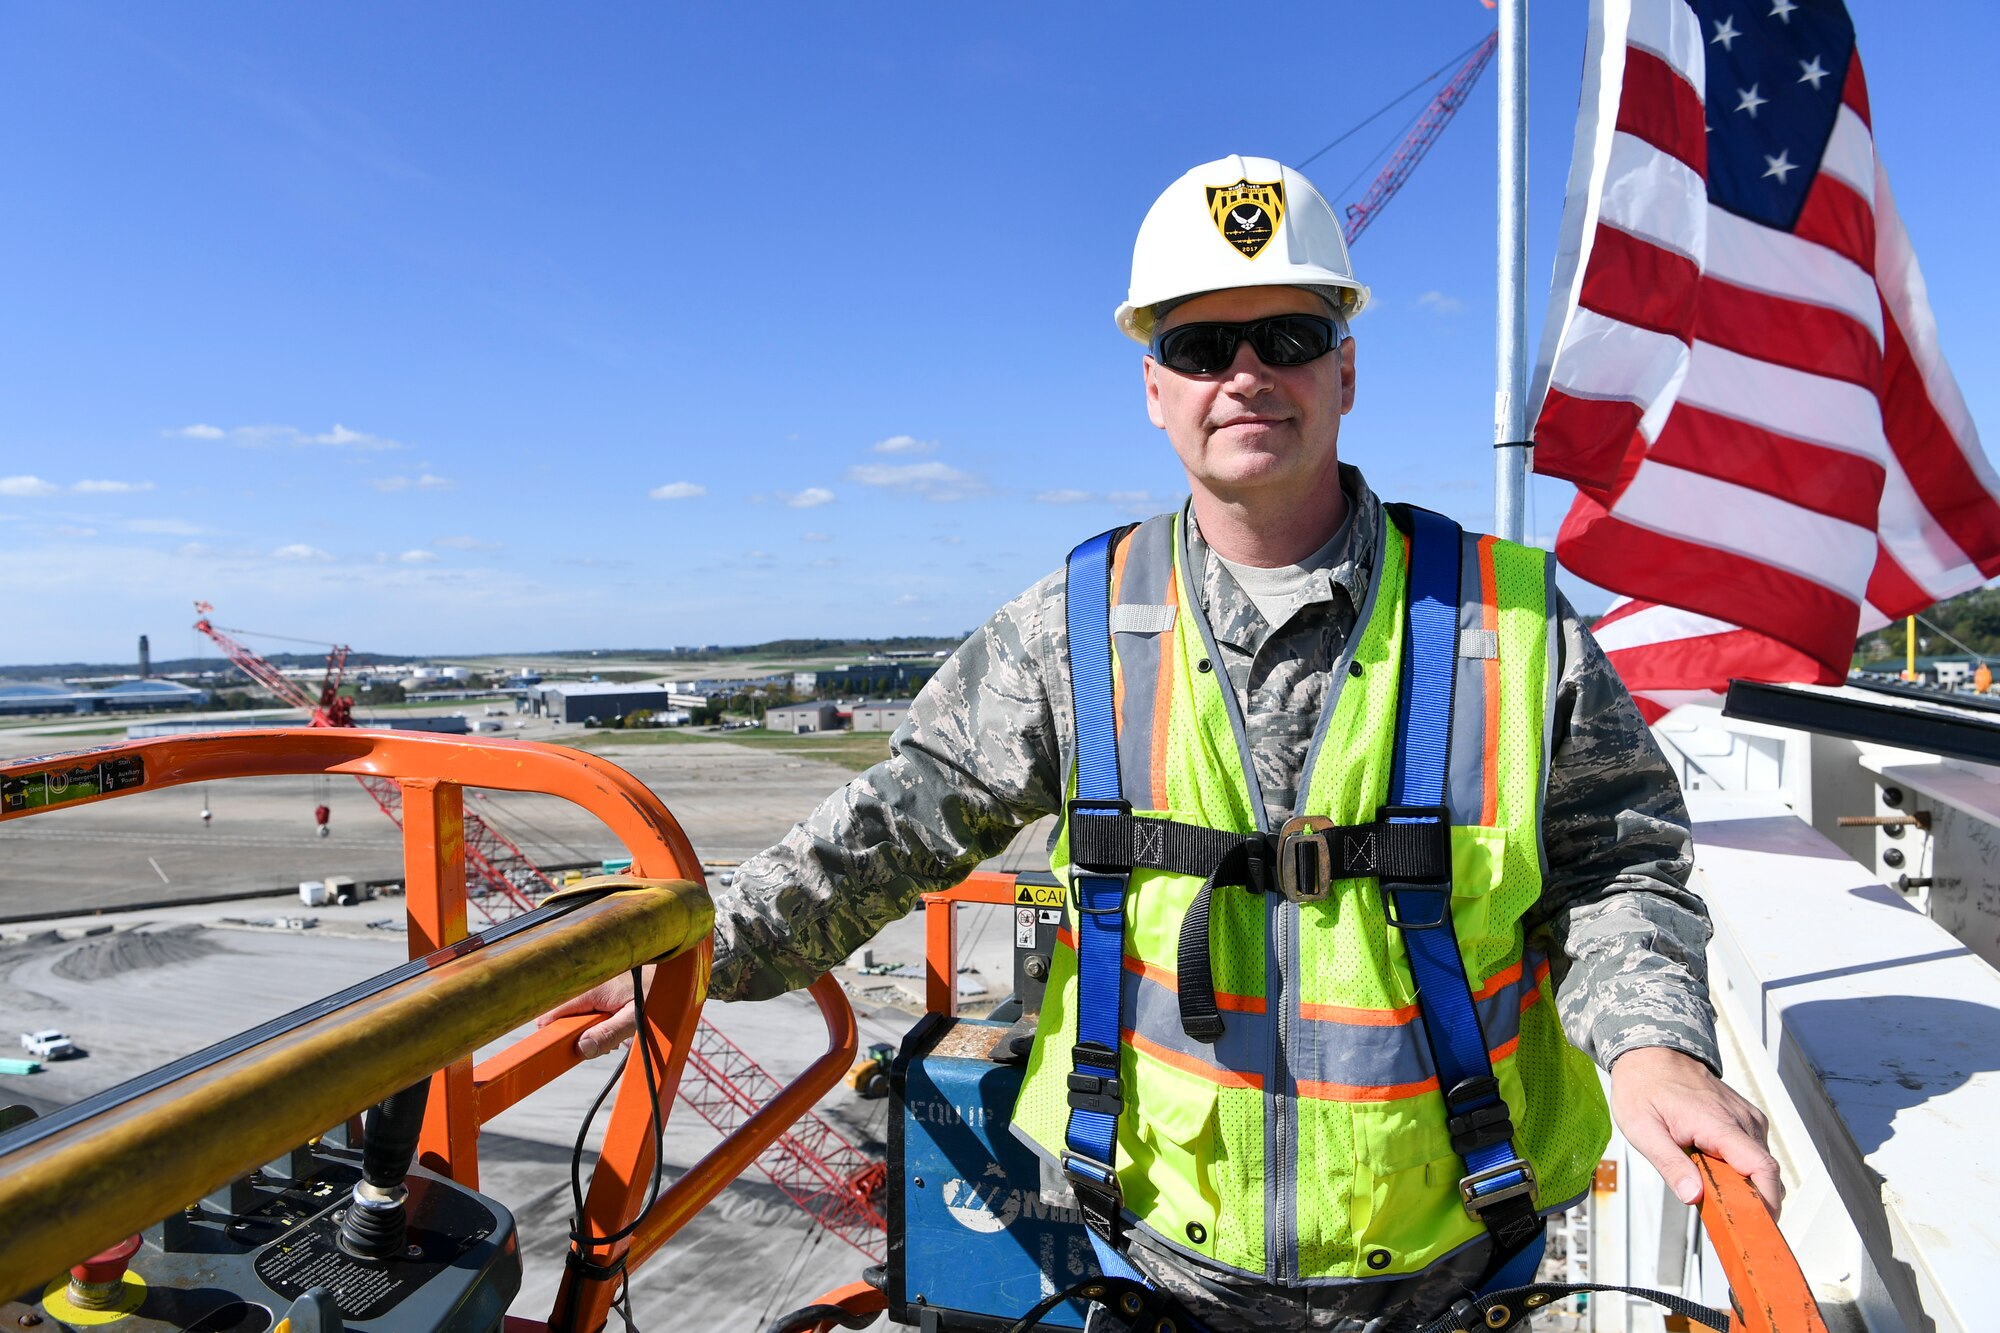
x: 240, y: 1189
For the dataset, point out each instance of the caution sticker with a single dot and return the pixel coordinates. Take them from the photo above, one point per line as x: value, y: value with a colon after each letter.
x: 1037, y: 895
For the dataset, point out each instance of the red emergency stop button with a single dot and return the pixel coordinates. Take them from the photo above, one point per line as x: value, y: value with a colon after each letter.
x: 98, y: 1282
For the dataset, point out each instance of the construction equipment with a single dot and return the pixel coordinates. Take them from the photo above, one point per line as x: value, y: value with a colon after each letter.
x: 1430, y: 124
x: 814, y: 1164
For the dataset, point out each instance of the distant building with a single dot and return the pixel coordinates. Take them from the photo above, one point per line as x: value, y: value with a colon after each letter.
x: 21, y: 698
x: 1951, y: 670
x: 865, y: 678
x: 799, y: 719
x: 580, y: 701
x: 880, y: 714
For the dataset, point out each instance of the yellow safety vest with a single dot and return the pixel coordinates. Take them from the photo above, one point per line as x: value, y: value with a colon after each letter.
x: 1309, y: 1143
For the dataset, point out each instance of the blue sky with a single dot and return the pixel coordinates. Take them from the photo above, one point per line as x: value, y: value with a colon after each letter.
x: 466, y: 328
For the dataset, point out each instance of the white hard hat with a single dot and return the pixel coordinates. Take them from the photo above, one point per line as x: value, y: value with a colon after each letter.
x: 1237, y: 222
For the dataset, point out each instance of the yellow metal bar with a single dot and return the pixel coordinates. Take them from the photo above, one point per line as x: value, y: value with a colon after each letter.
x: 67, y: 1196
x: 1910, y: 639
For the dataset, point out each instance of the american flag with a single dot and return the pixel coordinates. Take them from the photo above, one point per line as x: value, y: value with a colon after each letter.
x: 1741, y: 372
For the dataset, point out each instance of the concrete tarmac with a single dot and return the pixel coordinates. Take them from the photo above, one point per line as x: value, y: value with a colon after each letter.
x: 174, y: 978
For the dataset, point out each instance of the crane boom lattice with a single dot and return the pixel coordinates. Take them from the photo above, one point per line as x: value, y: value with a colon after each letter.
x: 1430, y: 124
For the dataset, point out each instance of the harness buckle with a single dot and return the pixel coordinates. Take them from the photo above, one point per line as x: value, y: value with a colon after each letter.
x: 1477, y: 1199
x: 1305, y: 858
x: 1477, y: 1115
x: 1416, y: 877
x: 1095, y: 1185
x: 1093, y: 1079
x: 1079, y: 848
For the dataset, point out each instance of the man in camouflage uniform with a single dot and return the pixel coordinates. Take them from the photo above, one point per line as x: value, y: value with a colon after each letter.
x: 1283, y: 550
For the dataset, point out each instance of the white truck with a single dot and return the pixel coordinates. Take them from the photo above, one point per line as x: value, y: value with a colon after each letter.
x: 48, y: 1044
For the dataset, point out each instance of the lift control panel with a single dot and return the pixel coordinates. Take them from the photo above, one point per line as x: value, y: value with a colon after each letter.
x: 262, y: 1254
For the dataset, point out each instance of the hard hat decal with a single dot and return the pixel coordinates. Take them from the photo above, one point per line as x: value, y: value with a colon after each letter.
x: 1248, y: 213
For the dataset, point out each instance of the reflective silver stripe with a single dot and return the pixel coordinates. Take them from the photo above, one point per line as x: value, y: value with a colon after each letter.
x: 1465, y: 776
x: 1153, y: 1011
x: 1479, y: 644
x: 1128, y: 618
x: 1388, y: 1056
x: 1142, y: 587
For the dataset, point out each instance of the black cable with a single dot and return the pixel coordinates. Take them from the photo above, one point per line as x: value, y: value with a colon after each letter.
x: 1384, y: 109
x: 580, y: 1238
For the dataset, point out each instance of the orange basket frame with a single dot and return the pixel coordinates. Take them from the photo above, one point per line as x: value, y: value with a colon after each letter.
x: 433, y: 772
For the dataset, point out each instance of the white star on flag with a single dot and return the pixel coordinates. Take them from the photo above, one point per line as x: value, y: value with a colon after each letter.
x: 1725, y: 32
x: 1782, y: 9
x: 1814, y: 72
x: 1749, y: 100
x: 1781, y: 165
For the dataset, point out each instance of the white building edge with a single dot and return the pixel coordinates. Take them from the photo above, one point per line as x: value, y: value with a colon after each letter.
x: 1859, y: 1007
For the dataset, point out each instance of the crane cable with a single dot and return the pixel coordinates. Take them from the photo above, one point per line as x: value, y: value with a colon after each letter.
x: 1386, y: 107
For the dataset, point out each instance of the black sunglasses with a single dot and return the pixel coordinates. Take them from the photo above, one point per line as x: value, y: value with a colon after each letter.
x: 1281, y: 340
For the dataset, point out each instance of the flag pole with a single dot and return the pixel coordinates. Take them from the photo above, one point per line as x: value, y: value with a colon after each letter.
x: 1510, y: 402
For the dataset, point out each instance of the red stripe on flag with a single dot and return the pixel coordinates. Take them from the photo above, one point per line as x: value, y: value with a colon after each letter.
x: 1932, y: 457
x: 1839, y: 219
x: 1826, y: 481
x: 1814, y: 338
x: 1636, y: 282
x: 1891, y: 590
x: 1854, y: 90
x: 1710, y: 661
x: 1660, y: 107
x: 1596, y: 545
x: 1584, y: 440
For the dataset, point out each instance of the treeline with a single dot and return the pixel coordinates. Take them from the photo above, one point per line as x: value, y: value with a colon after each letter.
x: 1973, y: 618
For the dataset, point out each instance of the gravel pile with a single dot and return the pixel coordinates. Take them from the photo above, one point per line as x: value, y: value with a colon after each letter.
x: 135, y: 951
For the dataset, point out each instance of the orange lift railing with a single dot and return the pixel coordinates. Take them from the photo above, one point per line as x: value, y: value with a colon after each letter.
x: 483, y: 992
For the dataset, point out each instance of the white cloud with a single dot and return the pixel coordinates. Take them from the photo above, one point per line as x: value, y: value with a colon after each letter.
x: 164, y: 527
x: 1440, y: 304
x: 908, y: 598
x: 425, y: 482
x: 678, y: 490
x: 66, y: 531
x: 302, y: 553
x: 812, y: 497
x: 1136, y: 500
x: 467, y: 544
x: 418, y: 557
x: 814, y: 537
x: 111, y: 487
x: 932, y: 481
x: 1064, y: 497
x: 194, y: 551
x: 905, y: 444
x: 24, y: 486
x: 250, y: 437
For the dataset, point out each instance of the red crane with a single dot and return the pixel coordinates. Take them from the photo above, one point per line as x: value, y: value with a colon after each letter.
x: 814, y: 1164
x: 493, y: 862
x: 1418, y: 141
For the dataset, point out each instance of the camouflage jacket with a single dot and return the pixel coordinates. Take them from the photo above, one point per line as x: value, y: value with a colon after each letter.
x: 982, y: 754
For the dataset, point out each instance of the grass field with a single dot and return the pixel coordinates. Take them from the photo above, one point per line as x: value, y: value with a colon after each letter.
x: 855, y: 750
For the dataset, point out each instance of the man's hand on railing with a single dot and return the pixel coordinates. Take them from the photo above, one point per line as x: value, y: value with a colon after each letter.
x: 1667, y: 1102
x: 614, y: 999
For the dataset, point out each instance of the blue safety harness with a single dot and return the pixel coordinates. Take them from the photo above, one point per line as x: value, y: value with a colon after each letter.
x: 1498, y: 1187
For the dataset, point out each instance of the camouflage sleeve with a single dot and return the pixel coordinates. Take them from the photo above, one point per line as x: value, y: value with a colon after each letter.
x: 977, y: 758
x: 1625, y: 935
